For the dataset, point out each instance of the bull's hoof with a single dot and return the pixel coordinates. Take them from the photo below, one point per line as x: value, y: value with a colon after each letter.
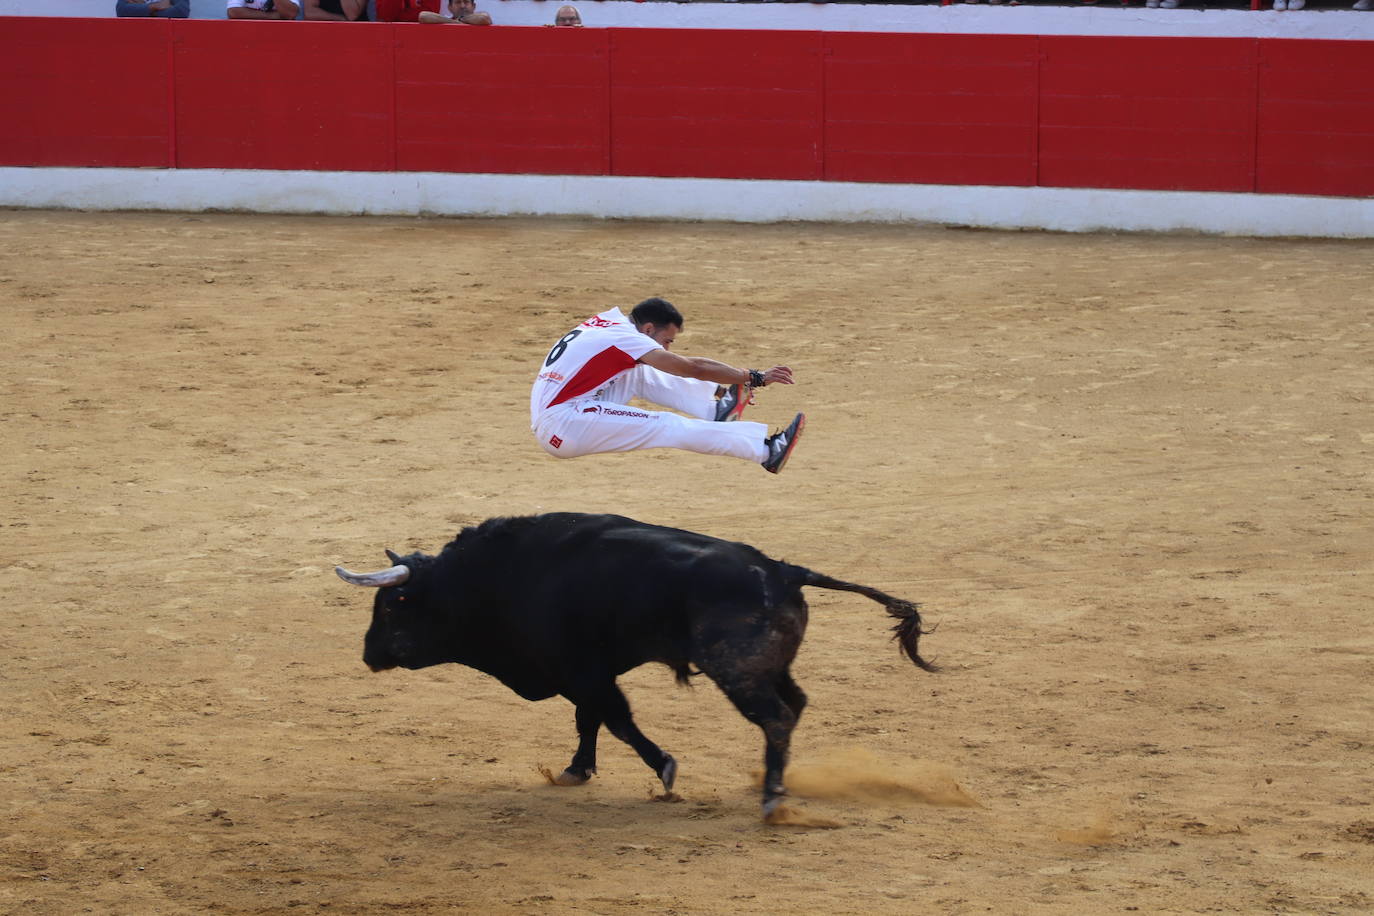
x: 773, y: 797
x: 667, y: 774
x: 572, y: 777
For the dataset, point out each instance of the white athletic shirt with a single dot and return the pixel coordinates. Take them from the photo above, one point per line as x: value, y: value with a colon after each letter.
x: 586, y: 358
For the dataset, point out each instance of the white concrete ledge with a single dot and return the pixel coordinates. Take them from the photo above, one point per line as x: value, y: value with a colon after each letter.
x: 428, y: 193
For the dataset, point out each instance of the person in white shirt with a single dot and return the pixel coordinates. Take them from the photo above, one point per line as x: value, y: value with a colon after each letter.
x: 578, y: 402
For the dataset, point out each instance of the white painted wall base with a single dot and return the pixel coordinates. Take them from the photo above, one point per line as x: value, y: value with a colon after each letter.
x: 428, y: 193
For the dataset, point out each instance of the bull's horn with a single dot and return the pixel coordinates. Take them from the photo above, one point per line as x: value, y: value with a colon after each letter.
x: 393, y: 576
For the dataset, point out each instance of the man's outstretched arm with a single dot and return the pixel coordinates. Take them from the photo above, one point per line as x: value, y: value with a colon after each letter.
x: 711, y: 370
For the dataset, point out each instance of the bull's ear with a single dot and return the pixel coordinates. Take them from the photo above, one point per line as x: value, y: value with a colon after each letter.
x: 395, y: 560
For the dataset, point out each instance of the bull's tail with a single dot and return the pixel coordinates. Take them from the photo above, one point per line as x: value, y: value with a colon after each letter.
x: 907, y: 630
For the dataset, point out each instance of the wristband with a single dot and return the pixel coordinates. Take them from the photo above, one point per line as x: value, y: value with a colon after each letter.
x: 756, y: 379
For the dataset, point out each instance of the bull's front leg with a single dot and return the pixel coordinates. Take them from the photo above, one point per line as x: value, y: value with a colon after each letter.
x: 599, y: 701
x: 584, y: 761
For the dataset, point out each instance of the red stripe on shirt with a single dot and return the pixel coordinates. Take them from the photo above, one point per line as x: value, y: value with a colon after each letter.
x: 602, y: 367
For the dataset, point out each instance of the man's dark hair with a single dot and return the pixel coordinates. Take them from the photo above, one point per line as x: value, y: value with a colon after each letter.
x: 655, y: 311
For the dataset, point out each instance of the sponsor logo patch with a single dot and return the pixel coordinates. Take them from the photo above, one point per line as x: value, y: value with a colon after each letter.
x: 555, y: 442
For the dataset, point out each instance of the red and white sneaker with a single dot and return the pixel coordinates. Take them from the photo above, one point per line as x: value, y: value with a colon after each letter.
x: 732, y: 401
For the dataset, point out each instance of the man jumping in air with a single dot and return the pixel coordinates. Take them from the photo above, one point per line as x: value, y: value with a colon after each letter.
x: 578, y: 403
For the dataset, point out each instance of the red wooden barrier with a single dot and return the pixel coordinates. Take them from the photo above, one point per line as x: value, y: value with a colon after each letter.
x: 502, y: 100
x: 1316, y: 118
x: 86, y: 92
x: 1175, y: 114
x: 930, y: 109
x: 255, y: 95
x: 1202, y: 114
x: 716, y: 104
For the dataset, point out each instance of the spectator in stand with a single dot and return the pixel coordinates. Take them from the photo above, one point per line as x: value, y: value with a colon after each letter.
x: 460, y: 12
x: 567, y: 17
x: 261, y: 9
x: 162, y: 9
x: 336, y: 10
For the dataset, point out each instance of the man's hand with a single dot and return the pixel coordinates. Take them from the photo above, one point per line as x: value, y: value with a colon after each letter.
x: 780, y: 375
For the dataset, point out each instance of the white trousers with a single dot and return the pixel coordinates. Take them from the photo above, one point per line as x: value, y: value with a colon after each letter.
x: 603, y: 423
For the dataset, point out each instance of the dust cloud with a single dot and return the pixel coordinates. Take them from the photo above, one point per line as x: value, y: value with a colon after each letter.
x: 1101, y: 831
x: 786, y: 816
x: 858, y: 775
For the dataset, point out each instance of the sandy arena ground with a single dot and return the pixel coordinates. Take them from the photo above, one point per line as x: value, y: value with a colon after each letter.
x: 1129, y: 477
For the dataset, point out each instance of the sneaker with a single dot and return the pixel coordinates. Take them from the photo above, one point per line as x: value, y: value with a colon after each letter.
x: 1152, y: 4
x: 1173, y: 4
x: 732, y: 401
x: 1280, y: 5
x: 1296, y: 4
x: 780, y: 444
x: 1363, y: 5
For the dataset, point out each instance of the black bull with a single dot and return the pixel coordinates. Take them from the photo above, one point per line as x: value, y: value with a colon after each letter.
x: 564, y: 603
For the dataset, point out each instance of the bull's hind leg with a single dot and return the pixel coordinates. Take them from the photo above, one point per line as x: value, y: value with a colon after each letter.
x: 791, y: 694
x: 773, y: 704
x: 608, y: 705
